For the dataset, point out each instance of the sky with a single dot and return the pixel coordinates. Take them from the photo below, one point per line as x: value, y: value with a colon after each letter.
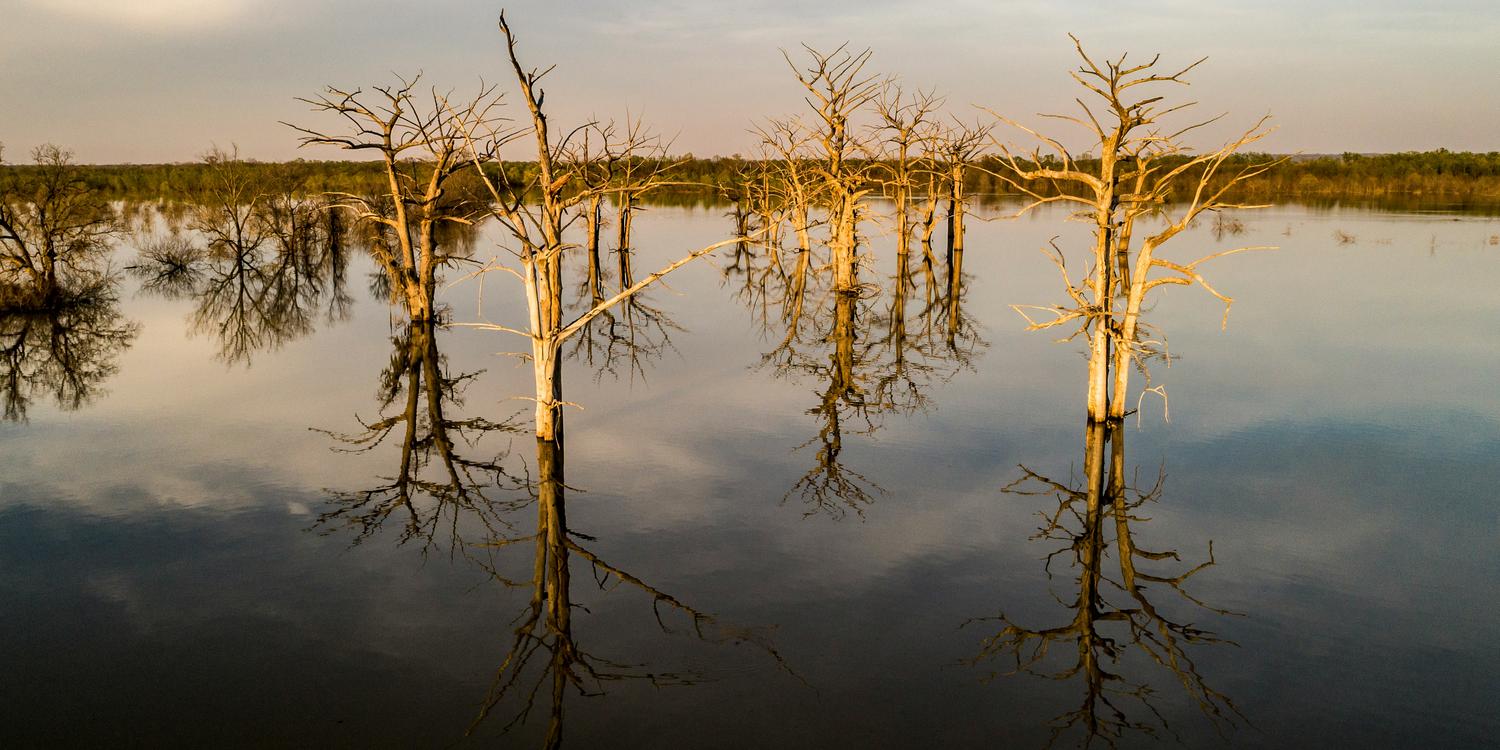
x: 164, y: 80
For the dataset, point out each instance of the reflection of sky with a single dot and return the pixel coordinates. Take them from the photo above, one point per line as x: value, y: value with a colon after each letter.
x: 1336, y: 443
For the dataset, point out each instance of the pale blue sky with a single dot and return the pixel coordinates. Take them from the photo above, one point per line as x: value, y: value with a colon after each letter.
x: 161, y: 80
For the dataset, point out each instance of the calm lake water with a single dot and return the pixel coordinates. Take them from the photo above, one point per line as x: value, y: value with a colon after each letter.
x: 808, y: 562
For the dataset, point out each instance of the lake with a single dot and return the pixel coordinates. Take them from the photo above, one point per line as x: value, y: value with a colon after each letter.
x: 215, y: 530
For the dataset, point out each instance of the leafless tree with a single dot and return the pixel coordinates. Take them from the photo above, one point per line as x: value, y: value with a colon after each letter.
x: 837, y: 89
x: 536, y: 216
x: 787, y: 143
x: 1144, y: 169
x: 640, y: 162
x: 959, y: 144
x: 906, y: 127
x: 421, y: 138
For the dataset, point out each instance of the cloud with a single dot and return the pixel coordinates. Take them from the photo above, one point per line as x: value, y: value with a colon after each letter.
x: 152, y: 15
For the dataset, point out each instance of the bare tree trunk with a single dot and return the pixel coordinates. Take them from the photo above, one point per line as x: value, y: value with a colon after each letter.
x: 844, y: 246
x: 1103, y: 286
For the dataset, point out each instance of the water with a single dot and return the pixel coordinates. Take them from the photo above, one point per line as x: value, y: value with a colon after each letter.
x: 167, y: 581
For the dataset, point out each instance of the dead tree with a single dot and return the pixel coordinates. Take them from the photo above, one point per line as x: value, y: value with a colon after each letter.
x: 837, y: 88
x: 640, y: 161
x: 959, y: 145
x: 1144, y: 169
x: 420, y: 138
x: 787, y: 144
x: 905, y: 127
x: 597, y: 167
x: 536, y: 215
x: 932, y: 196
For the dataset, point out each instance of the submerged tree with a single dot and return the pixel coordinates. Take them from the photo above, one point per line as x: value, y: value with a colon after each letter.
x: 907, y: 128
x: 1144, y: 170
x: 54, y: 230
x: 536, y: 213
x: 959, y: 146
x: 837, y: 89
x: 422, y: 140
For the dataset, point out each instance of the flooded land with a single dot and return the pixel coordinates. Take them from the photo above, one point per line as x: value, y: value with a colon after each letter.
x: 247, y: 501
x: 915, y: 425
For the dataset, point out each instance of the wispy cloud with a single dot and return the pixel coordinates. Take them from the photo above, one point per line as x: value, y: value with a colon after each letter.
x: 152, y: 15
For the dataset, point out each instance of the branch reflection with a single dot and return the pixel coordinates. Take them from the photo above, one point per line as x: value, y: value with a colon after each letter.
x: 1116, y: 631
x: 435, y: 488
x: 871, y: 357
x: 66, y: 348
x: 267, y: 272
x: 470, y: 505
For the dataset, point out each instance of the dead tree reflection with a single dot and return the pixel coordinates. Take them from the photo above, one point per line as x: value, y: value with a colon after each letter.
x: 442, y: 498
x: 871, y: 358
x: 256, y: 287
x: 66, y: 349
x: 439, y: 492
x: 623, y: 340
x: 544, y: 662
x: 1116, y: 631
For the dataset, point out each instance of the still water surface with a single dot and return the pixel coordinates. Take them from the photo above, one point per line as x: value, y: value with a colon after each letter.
x: 775, y: 543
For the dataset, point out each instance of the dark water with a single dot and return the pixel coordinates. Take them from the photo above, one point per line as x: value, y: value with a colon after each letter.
x: 807, y: 561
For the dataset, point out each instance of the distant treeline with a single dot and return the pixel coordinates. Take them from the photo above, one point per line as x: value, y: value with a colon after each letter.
x: 1442, y: 174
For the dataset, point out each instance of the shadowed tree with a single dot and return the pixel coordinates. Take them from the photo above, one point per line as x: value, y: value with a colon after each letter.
x: 271, y: 268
